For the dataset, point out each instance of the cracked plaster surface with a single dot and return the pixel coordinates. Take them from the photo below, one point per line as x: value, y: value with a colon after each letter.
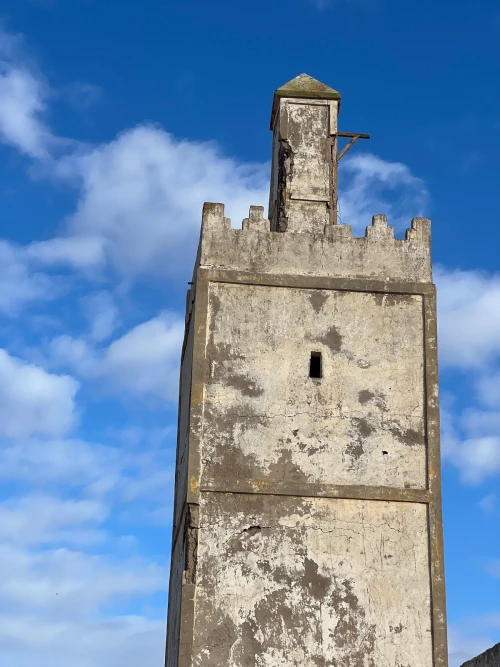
x: 361, y: 423
x: 289, y: 581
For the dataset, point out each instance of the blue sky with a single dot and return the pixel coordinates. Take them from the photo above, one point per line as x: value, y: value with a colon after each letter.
x: 117, y: 121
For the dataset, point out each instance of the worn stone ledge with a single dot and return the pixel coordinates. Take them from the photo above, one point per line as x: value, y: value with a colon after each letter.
x: 315, y: 282
x: 263, y: 487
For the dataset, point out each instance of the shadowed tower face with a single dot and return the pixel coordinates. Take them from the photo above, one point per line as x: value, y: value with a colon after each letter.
x: 307, y: 519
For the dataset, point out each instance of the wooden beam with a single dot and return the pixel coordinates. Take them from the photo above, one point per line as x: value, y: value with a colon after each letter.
x: 346, y: 148
x: 353, y: 134
x: 355, y: 137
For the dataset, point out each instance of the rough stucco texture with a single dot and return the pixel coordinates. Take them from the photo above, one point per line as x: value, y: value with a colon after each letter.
x: 267, y: 420
x: 303, y: 173
x: 316, y: 582
x: 308, y: 133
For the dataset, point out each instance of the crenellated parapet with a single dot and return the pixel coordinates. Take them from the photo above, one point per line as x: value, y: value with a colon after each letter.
x: 336, y: 252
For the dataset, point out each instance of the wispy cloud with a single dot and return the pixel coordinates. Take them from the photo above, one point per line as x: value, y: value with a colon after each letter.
x: 33, y: 401
x: 369, y: 184
x: 469, y: 341
x: 142, y: 362
x: 19, y: 284
x: 23, y: 100
x: 469, y: 318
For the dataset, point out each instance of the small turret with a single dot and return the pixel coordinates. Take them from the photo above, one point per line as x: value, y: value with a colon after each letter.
x: 303, y: 195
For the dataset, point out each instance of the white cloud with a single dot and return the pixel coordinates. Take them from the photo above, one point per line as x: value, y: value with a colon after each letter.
x: 143, y: 193
x: 370, y: 185
x: 44, y: 519
x: 76, y: 353
x: 481, y: 422
x: 469, y: 317
x: 65, y: 628
x: 60, y: 605
x: 494, y: 570
x: 22, y: 102
x: 471, y: 443
x: 80, y: 252
x: 119, y: 641
x: 489, y: 388
x: 83, y: 95
x: 34, y: 401
x: 103, y: 473
x: 102, y: 314
x: 469, y: 339
x: 82, y: 581
x: 479, y: 458
x: 143, y: 362
x: 19, y: 285
x: 60, y: 463
x: 475, y: 452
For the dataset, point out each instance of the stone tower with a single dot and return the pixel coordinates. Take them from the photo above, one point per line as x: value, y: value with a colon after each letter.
x: 307, y: 519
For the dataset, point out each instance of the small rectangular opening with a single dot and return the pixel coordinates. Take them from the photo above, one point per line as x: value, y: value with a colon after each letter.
x: 315, y: 370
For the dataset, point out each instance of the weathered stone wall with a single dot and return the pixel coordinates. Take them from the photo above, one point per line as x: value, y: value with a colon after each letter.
x: 311, y: 581
x: 378, y: 255
x: 302, y: 176
x: 313, y: 494
x: 266, y: 420
x: 284, y: 580
x: 490, y: 658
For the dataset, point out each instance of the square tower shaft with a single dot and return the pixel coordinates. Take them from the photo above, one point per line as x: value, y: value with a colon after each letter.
x: 307, y: 518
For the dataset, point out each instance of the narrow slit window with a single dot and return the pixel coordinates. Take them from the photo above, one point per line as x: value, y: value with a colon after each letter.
x: 315, y: 366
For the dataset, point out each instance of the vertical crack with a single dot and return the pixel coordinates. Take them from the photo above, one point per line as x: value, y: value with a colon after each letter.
x: 191, y: 544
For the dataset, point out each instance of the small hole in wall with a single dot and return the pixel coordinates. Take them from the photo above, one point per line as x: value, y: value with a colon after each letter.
x: 384, y: 452
x: 315, y: 365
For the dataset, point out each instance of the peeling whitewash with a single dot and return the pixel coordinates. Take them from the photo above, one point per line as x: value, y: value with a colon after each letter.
x: 265, y: 418
x: 313, y: 582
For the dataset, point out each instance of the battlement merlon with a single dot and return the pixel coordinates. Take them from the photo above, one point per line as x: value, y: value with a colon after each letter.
x: 334, y: 253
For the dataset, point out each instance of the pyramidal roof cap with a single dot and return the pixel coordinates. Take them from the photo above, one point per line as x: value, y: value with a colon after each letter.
x: 304, y: 86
